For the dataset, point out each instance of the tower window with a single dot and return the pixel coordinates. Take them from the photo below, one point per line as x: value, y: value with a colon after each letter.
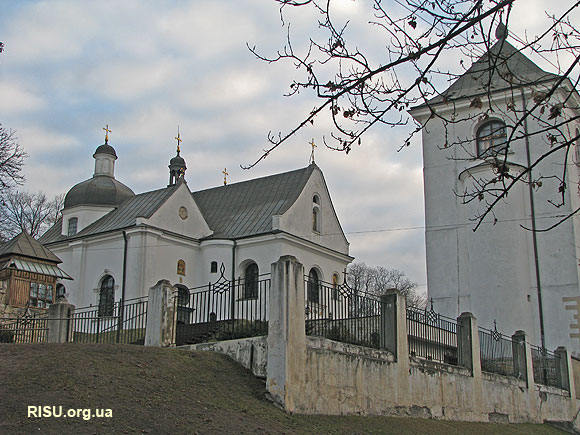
x: 213, y: 267
x: 316, y: 213
x: 491, y: 137
x: 72, y: 226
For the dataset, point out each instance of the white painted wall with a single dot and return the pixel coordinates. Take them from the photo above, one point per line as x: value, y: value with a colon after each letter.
x: 491, y: 272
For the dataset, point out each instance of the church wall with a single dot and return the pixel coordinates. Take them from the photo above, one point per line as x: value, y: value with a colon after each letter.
x: 298, y: 218
x: 85, y: 214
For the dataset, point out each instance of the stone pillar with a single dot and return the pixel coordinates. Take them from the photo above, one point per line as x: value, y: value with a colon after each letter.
x: 468, y: 351
x: 394, y: 323
x: 161, y: 315
x: 59, y: 321
x: 286, y: 333
x: 522, y: 353
x: 564, y: 370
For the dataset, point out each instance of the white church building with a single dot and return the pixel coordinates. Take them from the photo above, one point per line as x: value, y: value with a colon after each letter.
x: 115, y: 243
x: 502, y: 272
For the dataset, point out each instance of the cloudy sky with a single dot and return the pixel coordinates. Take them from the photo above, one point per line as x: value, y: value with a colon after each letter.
x: 144, y: 67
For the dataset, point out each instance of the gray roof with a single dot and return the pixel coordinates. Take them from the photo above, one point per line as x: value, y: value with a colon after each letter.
x: 105, y: 149
x: 231, y: 211
x: 246, y: 208
x: 125, y: 215
x: 502, y: 67
x: 25, y: 245
x: 99, y: 190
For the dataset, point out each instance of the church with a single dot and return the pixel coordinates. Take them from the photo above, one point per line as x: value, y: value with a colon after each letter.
x: 116, y: 244
x: 504, y: 272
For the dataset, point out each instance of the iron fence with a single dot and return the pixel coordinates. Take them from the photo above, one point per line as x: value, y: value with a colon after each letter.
x: 223, y: 310
x: 432, y: 336
x: 126, y: 324
x: 546, y: 367
x: 497, y: 353
x: 337, y: 312
x: 28, y: 328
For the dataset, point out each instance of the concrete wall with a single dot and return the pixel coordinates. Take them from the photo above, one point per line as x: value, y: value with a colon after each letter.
x: 251, y: 352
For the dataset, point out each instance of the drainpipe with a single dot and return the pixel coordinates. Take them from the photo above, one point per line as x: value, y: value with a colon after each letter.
x: 122, y: 304
x: 534, y: 234
x: 233, y: 285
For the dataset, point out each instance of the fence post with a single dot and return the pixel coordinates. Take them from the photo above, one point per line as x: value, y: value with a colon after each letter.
x: 564, y: 370
x: 394, y: 324
x: 468, y: 350
x: 286, y: 333
x: 161, y: 315
x: 59, y: 317
x: 522, y: 352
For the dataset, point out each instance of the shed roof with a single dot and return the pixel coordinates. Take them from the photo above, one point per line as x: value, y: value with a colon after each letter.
x: 25, y: 245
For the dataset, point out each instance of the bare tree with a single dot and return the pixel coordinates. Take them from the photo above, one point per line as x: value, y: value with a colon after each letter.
x: 361, y: 89
x: 31, y: 212
x: 11, y: 159
x: 377, y: 280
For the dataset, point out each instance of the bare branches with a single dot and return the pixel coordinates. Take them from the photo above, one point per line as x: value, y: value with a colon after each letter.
x: 11, y: 160
x: 30, y: 212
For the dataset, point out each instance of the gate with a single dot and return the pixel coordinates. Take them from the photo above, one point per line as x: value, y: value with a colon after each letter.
x: 121, y: 322
x: 223, y: 310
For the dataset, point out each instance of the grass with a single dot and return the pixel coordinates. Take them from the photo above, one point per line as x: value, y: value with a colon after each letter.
x: 159, y: 391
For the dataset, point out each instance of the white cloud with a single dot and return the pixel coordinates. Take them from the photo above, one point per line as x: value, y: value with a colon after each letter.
x: 16, y: 99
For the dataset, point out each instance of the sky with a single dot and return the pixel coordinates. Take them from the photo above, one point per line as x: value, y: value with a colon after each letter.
x: 145, y: 67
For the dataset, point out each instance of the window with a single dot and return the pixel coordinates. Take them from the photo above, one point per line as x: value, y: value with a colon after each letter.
x: 491, y: 136
x: 107, y: 297
x: 181, y: 267
x: 335, y: 286
x: 313, y: 286
x: 251, y: 281
x: 183, y: 312
x: 72, y: 226
x: 41, y: 295
x: 315, y: 219
x: 213, y: 267
x: 316, y: 199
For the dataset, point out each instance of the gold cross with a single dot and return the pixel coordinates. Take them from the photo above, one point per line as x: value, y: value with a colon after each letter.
x: 179, y: 140
x: 107, y: 131
x: 225, y: 172
x: 312, y: 155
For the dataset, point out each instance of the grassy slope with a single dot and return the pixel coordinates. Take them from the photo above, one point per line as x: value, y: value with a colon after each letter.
x: 168, y: 391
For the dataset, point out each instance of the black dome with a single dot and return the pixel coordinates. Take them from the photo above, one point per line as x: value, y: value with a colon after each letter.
x: 99, y: 190
x: 177, y: 161
x: 105, y: 149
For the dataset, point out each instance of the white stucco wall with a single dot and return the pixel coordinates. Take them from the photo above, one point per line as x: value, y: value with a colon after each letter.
x: 491, y: 272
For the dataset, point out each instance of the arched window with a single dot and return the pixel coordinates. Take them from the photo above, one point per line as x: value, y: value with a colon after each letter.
x: 213, y: 267
x: 72, y: 226
x: 491, y: 136
x: 183, y: 312
x: 181, y: 267
x: 316, y: 213
x: 251, y: 281
x: 313, y: 286
x: 107, y: 297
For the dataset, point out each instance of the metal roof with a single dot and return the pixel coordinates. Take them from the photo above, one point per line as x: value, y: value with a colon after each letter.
x: 231, y: 211
x: 246, y: 208
x: 502, y: 67
x: 24, y: 244
x: 32, y: 266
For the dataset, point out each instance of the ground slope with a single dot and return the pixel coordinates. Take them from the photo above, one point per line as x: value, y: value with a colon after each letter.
x: 160, y: 391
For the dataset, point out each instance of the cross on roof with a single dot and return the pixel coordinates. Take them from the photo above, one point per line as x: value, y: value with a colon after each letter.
x: 179, y: 140
x: 312, y: 154
x: 107, y: 131
x: 225, y: 172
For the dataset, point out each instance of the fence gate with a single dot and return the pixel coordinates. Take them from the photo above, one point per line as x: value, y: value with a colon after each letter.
x: 119, y: 322
x: 223, y: 310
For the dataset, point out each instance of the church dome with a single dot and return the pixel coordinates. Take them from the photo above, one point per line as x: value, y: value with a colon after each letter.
x: 106, y: 149
x: 177, y: 161
x: 100, y: 190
